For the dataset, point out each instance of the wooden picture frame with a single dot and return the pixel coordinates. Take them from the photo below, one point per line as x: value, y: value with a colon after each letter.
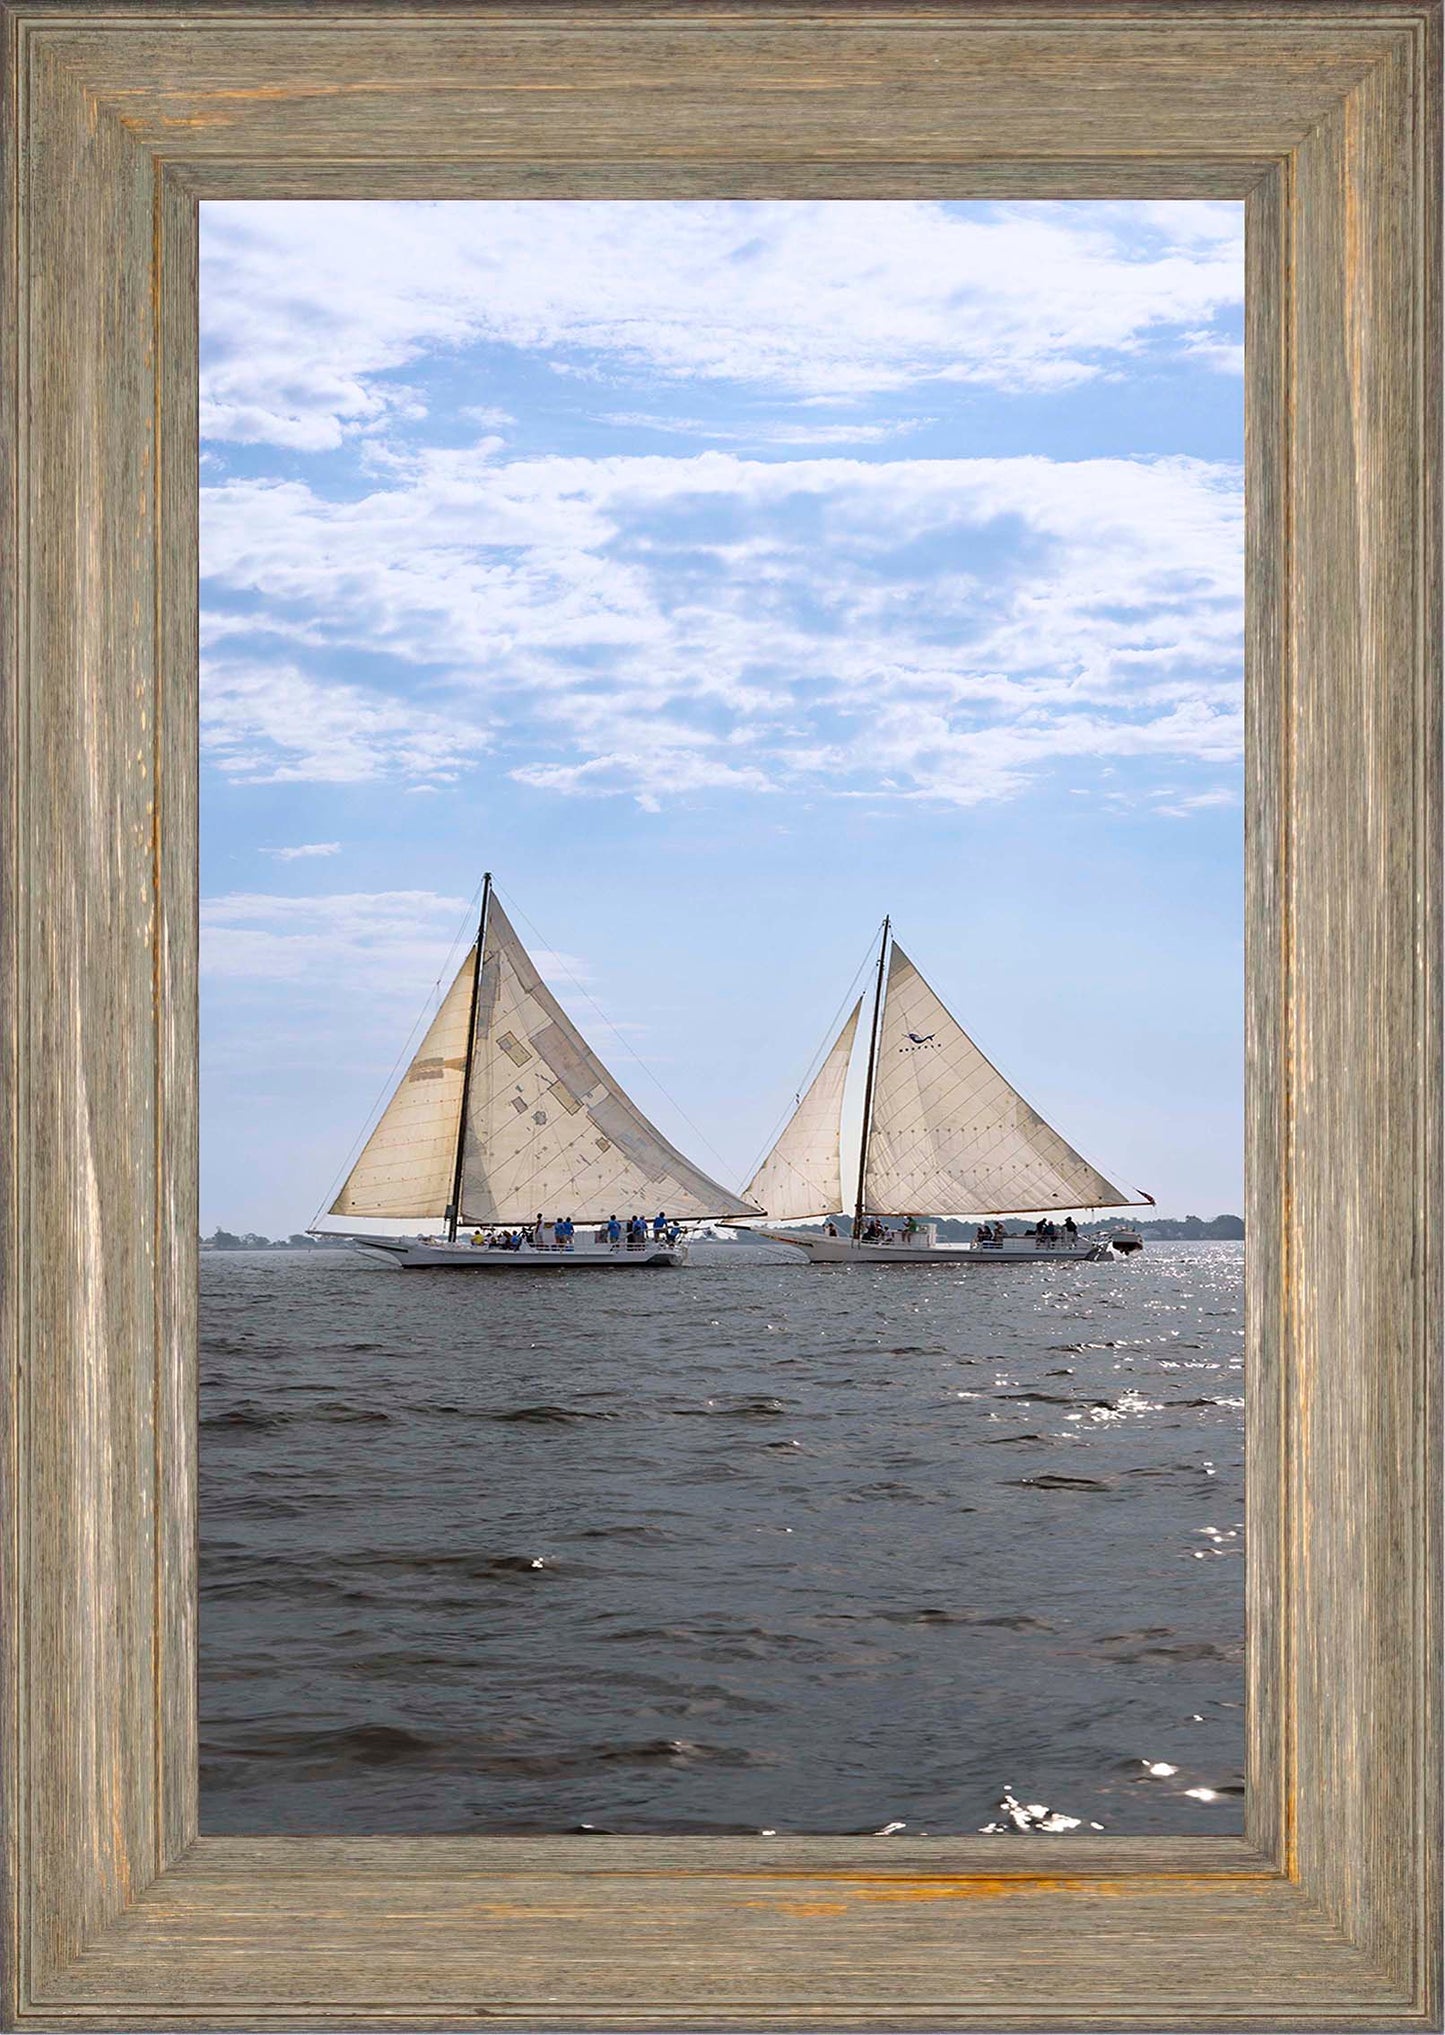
x: 1324, y: 118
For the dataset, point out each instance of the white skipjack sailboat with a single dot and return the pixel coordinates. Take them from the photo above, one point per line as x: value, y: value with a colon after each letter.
x: 508, y: 1130
x: 943, y: 1135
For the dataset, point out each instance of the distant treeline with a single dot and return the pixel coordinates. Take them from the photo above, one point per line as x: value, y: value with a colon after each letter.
x: 1230, y: 1228
x: 227, y: 1240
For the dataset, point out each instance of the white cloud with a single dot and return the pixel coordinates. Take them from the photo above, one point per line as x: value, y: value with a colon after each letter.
x: 767, y: 433
x: 372, y: 942
x: 304, y: 850
x: 270, y: 723
x: 1172, y: 807
x: 645, y: 771
x: 661, y: 626
x: 308, y: 307
x: 390, y: 944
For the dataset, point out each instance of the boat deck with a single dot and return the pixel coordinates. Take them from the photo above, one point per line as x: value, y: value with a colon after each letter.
x: 1012, y: 1251
x: 468, y: 1257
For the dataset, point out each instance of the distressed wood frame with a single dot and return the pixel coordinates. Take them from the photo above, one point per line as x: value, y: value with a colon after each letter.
x: 1324, y: 118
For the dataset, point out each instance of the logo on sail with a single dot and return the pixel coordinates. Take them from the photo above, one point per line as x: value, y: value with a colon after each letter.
x: 922, y: 1038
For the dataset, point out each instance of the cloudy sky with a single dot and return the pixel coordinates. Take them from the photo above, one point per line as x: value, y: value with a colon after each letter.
x: 723, y: 576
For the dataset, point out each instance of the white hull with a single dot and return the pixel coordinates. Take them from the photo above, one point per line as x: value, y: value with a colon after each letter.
x: 466, y: 1257
x: 1013, y: 1251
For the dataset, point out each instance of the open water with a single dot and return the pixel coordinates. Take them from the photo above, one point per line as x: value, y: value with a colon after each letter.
x: 746, y: 1546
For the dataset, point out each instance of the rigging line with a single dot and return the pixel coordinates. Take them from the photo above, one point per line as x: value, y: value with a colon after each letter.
x: 428, y: 1010
x: 630, y: 1051
x: 818, y: 1058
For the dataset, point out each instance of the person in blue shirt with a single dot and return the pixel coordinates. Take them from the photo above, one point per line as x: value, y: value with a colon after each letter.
x: 659, y: 1227
x: 614, y: 1231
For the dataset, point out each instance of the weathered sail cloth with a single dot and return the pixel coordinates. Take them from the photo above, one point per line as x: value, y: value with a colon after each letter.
x: 549, y: 1128
x: 407, y: 1164
x: 802, y: 1175
x: 948, y: 1135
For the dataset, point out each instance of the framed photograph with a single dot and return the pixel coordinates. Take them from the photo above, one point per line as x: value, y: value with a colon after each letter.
x: 150, y: 1882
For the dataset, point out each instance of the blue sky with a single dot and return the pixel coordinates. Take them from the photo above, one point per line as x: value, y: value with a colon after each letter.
x: 723, y: 576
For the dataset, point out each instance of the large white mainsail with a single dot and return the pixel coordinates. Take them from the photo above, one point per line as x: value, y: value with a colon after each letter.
x: 947, y: 1135
x: 803, y: 1173
x: 548, y: 1130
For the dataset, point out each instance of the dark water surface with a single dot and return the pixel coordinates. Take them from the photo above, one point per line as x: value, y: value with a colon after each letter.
x: 743, y: 1546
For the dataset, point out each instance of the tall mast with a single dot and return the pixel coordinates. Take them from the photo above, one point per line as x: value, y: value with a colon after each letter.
x: 455, y: 1207
x: 868, y: 1087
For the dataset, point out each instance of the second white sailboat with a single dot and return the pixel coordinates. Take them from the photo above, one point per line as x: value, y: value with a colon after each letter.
x: 944, y: 1135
